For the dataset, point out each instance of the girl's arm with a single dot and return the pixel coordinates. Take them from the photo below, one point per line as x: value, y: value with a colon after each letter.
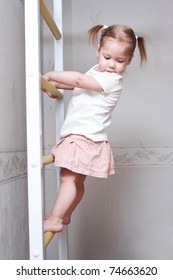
x: 72, y: 79
x: 59, y: 86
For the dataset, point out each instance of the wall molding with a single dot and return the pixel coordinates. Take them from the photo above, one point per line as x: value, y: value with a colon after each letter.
x: 158, y: 156
x: 143, y: 156
x: 13, y: 164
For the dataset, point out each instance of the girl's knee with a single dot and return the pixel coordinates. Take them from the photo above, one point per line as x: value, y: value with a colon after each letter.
x: 81, y: 179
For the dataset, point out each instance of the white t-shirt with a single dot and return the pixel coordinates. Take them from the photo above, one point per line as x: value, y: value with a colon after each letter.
x: 89, y: 112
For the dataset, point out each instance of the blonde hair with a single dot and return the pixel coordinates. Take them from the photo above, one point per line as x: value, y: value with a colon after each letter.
x: 122, y: 34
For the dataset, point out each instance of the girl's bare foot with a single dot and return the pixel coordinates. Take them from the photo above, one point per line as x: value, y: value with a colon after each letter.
x: 53, y: 224
x: 66, y: 219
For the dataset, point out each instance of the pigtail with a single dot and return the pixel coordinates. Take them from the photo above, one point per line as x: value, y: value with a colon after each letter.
x: 93, y: 33
x: 142, y: 49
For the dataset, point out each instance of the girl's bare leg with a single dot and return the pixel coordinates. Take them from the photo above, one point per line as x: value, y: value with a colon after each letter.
x: 65, y: 200
x: 80, y: 193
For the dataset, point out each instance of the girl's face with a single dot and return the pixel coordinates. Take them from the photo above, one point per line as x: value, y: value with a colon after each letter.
x: 113, y: 56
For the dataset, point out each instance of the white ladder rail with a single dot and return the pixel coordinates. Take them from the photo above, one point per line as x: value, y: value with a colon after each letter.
x: 34, y: 128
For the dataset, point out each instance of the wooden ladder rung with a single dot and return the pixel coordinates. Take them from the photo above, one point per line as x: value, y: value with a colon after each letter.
x: 54, y: 92
x: 49, y: 20
x: 47, y: 159
x: 48, y: 237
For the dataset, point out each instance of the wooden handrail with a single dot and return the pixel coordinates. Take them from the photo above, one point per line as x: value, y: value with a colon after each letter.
x: 54, y: 92
x: 49, y: 20
x: 47, y: 159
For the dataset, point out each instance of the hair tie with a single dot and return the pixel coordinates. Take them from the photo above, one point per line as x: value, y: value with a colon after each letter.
x: 104, y: 27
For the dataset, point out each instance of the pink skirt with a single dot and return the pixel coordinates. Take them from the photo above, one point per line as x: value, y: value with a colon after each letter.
x: 81, y: 155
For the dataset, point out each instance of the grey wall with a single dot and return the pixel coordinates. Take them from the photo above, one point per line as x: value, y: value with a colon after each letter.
x: 13, y: 182
x: 130, y: 215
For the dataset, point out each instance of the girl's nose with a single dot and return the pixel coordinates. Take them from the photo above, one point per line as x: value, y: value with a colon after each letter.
x: 112, y: 64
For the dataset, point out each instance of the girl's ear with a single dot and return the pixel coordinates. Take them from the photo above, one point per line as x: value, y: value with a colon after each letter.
x: 98, y: 49
x: 130, y: 59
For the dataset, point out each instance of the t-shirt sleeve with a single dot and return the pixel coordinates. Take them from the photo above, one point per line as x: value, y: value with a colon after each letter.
x: 109, y: 81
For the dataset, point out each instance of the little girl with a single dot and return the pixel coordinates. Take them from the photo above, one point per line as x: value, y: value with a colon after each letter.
x: 84, y: 148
